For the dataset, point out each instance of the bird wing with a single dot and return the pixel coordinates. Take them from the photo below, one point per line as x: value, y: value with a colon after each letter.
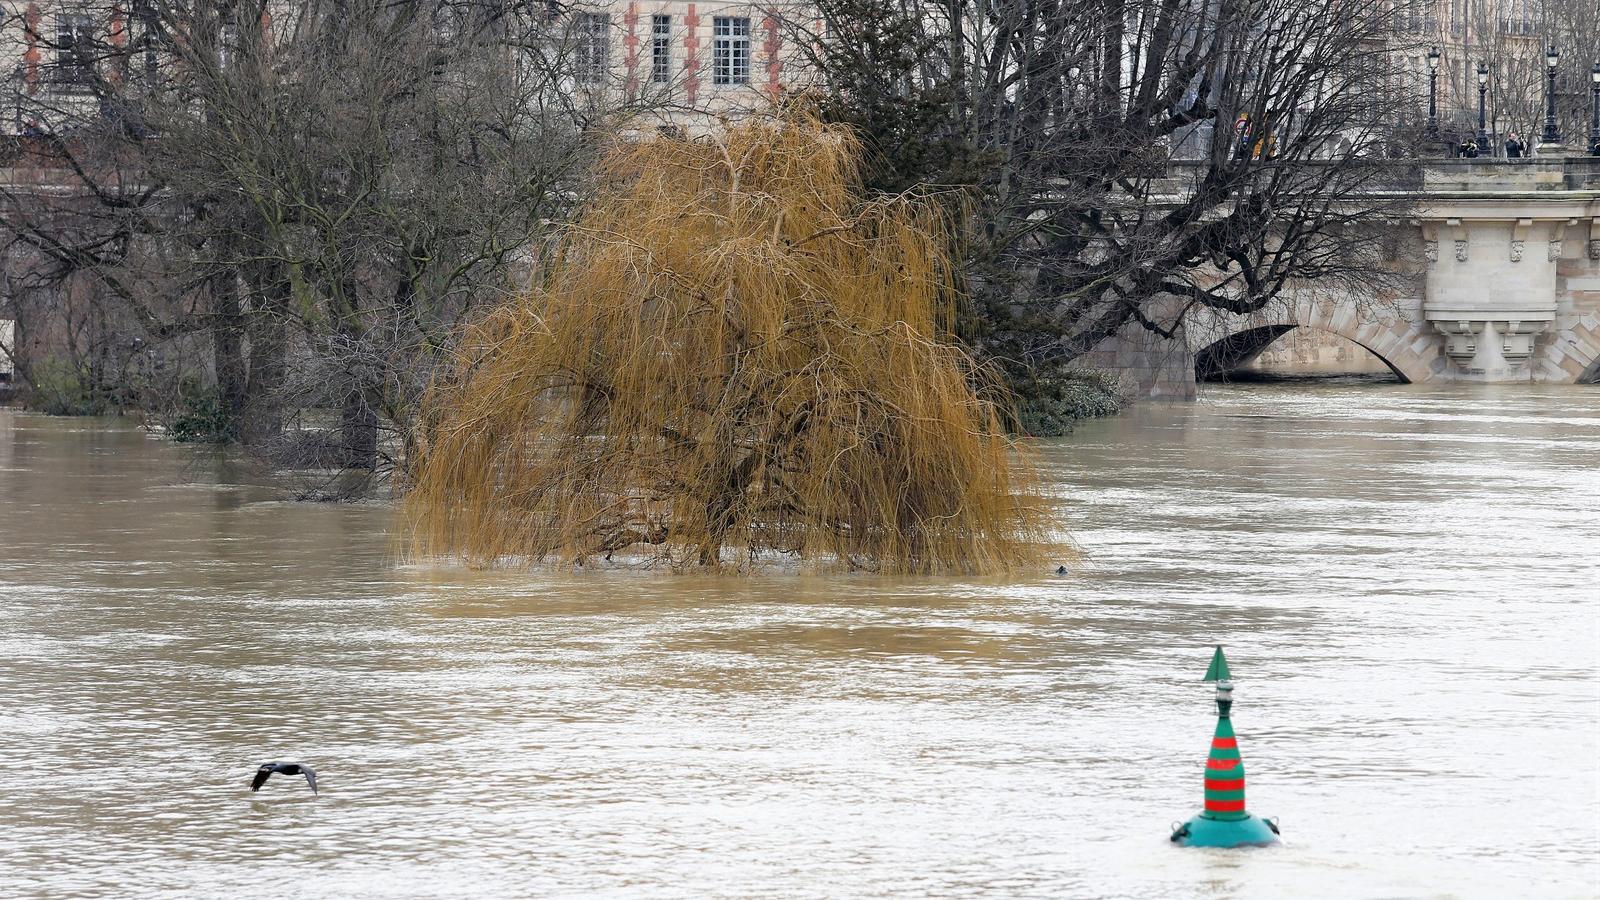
x: 262, y: 774
x: 311, y: 777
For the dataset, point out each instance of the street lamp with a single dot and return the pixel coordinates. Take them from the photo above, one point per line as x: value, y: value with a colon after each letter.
x: 1551, y: 134
x: 1483, y: 93
x: 1594, y: 124
x: 1433, y: 92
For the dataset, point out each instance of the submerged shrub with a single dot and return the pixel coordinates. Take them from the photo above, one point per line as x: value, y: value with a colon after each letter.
x: 1051, y: 401
x: 734, y: 353
x: 200, y: 417
x: 60, y: 387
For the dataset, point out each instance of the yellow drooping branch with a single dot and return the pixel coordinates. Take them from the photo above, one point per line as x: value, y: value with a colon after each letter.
x: 734, y: 354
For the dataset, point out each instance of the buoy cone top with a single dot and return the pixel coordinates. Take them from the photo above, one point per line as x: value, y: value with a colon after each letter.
x: 1219, y: 668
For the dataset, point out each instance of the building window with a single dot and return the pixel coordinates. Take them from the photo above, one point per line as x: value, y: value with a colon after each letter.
x: 660, y: 49
x: 74, y: 49
x: 1518, y: 17
x: 594, y: 47
x: 730, y: 50
x: 1406, y: 16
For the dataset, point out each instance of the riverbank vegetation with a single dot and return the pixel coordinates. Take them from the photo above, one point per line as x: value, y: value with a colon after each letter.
x: 274, y: 230
x: 734, y: 354
x: 267, y: 230
x: 1052, y: 398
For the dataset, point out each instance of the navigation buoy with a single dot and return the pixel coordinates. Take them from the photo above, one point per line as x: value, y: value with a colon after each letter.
x: 1224, y: 821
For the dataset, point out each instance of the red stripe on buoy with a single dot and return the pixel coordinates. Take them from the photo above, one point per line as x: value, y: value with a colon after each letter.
x: 1225, y: 806
x: 1222, y: 743
x: 1235, y: 785
x: 1222, y: 763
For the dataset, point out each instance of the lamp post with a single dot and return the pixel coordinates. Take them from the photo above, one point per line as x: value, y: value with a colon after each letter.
x: 1433, y: 92
x: 1483, y: 93
x: 1552, y: 135
x: 1594, y: 123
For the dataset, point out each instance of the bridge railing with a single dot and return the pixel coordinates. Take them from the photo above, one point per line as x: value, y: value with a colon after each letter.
x: 1427, y: 176
x: 1572, y: 173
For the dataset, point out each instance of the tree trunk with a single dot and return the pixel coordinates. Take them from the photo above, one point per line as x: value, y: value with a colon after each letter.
x: 358, y: 425
x: 227, y: 341
x: 263, y: 415
x: 358, y: 431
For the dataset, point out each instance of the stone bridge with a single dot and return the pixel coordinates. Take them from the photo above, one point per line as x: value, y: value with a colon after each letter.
x: 1509, y: 289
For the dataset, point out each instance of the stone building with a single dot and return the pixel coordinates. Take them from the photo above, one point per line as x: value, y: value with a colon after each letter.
x: 716, y: 58
x: 682, y: 62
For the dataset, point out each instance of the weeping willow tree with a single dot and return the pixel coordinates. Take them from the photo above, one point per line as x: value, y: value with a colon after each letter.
x: 734, y: 354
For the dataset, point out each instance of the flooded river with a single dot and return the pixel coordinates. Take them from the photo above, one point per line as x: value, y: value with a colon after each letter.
x: 1407, y: 580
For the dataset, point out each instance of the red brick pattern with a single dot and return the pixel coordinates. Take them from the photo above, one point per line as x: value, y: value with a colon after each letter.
x: 691, y: 55
x: 773, y: 45
x: 630, y: 44
x: 32, y: 56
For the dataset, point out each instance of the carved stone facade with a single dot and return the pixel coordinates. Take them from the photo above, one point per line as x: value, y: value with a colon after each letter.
x: 1504, y: 314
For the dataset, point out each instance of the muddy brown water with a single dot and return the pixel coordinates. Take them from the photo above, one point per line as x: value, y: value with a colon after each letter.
x: 1407, y: 580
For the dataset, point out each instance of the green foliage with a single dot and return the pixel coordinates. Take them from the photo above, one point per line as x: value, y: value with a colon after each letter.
x: 909, y: 127
x: 200, y: 417
x: 1051, y: 399
x: 60, y: 387
x: 916, y: 131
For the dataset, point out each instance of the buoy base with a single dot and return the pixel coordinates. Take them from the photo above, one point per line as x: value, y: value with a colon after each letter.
x: 1246, y: 832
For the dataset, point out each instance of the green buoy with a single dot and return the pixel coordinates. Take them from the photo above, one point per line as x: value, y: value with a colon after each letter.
x: 1224, y: 821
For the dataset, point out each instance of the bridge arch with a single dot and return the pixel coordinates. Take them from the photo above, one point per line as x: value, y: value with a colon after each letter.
x: 1591, y: 375
x: 1409, y: 349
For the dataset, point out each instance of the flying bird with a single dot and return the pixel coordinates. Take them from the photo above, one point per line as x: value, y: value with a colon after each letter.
x: 289, y: 768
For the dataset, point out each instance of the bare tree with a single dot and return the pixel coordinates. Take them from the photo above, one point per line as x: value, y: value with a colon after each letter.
x: 320, y: 193
x: 1516, y: 63
x: 1509, y: 38
x: 1123, y: 163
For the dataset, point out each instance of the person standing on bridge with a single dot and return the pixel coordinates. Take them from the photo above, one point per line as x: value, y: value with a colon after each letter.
x: 1470, y: 149
x: 1515, y: 148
